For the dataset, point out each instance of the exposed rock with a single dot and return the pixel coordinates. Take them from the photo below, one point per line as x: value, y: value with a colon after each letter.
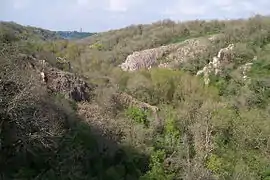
x: 43, y: 76
x: 215, y: 66
x: 166, y: 56
x: 144, y: 59
x: 219, y: 62
x: 187, y: 50
x: 246, y: 68
x: 206, y: 72
x: 165, y: 65
x: 68, y: 84
x: 59, y: 81
x: 225, y: 54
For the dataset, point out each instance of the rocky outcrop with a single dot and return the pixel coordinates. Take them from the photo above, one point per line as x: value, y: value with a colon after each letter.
x: 246, y: 68
x: 215, y: 66
x: 219, y: 62
x: 58, y: 81
x: 68, y: 84
x: 167, y: 56
x: 145, y: 59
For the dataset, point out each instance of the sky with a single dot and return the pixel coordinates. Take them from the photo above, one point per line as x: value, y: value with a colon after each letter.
x: 103, y: 15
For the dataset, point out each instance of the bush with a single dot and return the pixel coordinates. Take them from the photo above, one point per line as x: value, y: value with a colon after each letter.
x: 137, y: 115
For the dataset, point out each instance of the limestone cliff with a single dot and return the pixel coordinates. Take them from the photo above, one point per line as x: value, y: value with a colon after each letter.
x: 167, y: 56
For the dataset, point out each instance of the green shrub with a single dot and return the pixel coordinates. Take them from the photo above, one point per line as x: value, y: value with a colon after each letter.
x: 157, y: 171
x: 137, y: 115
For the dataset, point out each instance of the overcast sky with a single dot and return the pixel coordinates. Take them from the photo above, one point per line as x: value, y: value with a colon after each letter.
x: 102, y: 15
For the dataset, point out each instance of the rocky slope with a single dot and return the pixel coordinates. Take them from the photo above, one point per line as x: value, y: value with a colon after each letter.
x: 74, y: 87
x: 173, y: 55
x: 168, y: 56
x: 59, y: 81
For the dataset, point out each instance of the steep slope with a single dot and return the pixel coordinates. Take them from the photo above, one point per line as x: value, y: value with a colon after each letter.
x: 45, y: 131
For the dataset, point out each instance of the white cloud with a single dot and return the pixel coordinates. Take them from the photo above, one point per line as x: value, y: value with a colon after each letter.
x: 118, y: 5
x: 223, y: 3
x: 82, y: 5
x: 83, y: 2
x: 212, y: 9
x: 182, y: 7
x: 20, y: 4
x: 109, y: 5
x: 126, y: 5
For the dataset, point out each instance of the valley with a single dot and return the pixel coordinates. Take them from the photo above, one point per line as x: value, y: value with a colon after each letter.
x: 160, y: 101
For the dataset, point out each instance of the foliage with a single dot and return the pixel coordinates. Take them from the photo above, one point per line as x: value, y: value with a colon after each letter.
x: 217, y: 132
x: 137, y: 115
x: 157, y: 170
x: 26, y: 33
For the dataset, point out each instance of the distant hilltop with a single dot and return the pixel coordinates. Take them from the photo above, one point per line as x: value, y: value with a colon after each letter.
x: 73, y: 34
x: 35, y: 33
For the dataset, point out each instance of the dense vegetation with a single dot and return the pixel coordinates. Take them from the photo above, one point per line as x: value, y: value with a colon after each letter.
x: 17, y: 31
x: 217, y: 132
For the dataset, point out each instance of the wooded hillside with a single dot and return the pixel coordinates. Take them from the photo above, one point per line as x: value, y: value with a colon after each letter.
x: 149, y: 124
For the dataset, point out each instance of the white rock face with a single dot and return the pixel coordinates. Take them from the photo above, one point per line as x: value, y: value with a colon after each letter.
x: 43, y: 76
x: 145, y: 59
x: 172, y: 55
x: 247, y: 67
x: 223, y: 57
x: 175, y: 54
